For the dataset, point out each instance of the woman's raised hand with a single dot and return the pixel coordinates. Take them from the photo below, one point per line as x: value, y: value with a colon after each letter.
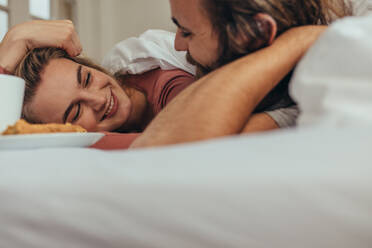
x: 24, y: 37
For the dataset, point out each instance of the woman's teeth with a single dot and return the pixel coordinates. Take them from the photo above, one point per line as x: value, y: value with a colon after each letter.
x: 110, y: 107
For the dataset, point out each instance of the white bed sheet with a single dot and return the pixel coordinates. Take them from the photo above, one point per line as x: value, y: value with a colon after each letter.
x: 290, y: 189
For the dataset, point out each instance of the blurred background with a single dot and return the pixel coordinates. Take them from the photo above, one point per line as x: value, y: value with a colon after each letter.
x: 100, y: 23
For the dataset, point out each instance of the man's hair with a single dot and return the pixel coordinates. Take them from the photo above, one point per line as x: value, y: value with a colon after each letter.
x: 33, y: 65
x: 230, y: 18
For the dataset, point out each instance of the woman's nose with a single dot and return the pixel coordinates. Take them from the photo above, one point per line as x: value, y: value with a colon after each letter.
x: 180, y: 43
x: 96, y: 100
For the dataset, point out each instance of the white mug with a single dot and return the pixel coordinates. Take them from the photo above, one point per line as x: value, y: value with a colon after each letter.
x: 11, y: 100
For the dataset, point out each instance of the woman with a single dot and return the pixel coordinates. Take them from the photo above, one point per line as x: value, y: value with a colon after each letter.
x: 63, y: 88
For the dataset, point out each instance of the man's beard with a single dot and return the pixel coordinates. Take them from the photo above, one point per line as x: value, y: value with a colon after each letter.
x: 200, y: 69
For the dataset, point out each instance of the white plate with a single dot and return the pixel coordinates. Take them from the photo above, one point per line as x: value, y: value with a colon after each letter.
x: 32, y: 141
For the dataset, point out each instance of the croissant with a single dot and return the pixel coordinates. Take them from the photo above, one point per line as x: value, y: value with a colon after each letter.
x: 23, y: 127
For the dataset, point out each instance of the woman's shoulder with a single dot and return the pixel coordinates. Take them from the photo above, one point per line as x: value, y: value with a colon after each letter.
x: 169, y: 84
x: 171, y: 79
x: 169, y: 75
x: 160, y: 86
x: 157, y: 78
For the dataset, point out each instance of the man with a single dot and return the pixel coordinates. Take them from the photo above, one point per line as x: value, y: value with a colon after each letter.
x: 217, y: 32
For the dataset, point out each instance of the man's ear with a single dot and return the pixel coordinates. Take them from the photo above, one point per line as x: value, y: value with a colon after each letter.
x: 267, y: 27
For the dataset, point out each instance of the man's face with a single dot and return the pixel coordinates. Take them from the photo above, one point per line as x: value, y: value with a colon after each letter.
x: 194, y: 34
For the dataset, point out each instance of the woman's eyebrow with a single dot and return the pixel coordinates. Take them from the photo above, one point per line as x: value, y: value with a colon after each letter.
x: 79, y: 74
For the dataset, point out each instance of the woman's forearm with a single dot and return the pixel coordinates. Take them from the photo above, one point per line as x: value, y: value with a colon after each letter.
x: 10, y: 53
x: 222, y: 102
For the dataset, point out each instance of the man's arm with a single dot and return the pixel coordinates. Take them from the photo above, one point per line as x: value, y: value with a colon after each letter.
x: 222, y: 102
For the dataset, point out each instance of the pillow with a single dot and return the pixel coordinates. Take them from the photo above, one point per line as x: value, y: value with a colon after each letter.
x: 333, y: 82
x: 153, y: 49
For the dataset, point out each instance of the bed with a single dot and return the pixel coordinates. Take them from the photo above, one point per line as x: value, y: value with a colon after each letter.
x: 307, y: 187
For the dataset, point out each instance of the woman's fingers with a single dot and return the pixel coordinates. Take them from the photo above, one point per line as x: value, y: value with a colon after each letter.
x: 59, y: 33
x: 76, y: 45
x: 71, y: 42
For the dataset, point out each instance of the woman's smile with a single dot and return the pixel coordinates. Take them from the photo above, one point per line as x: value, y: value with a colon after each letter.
x: 111, y: 106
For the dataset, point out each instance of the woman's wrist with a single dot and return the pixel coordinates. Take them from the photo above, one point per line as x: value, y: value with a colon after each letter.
x: 11, y: 53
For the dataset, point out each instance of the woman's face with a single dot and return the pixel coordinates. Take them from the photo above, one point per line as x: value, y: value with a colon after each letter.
x: 70, y: 92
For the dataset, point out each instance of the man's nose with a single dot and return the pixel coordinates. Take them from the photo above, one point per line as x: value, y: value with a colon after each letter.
x: 96, y: 100
x: 180, y: 43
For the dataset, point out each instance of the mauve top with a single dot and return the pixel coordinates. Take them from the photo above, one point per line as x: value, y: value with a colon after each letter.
x: 159, y: 87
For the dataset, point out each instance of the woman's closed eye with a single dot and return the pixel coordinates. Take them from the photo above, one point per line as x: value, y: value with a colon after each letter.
x: 77, y: 113
x: 87, y: 80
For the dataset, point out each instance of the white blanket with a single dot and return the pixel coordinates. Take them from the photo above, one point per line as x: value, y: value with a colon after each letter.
x: 285, y: 190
